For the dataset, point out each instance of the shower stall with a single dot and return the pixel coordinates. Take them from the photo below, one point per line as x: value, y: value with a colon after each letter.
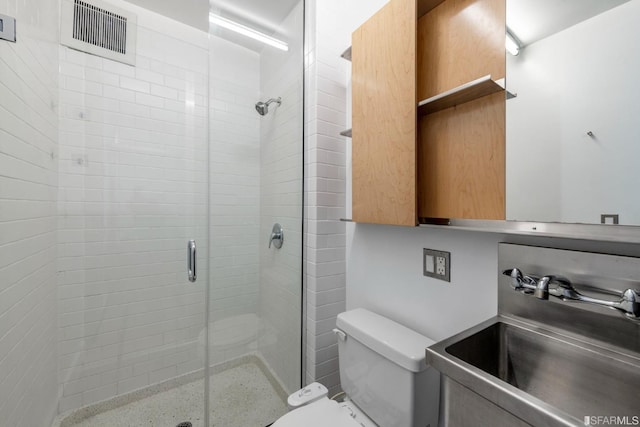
x: 151, y: 211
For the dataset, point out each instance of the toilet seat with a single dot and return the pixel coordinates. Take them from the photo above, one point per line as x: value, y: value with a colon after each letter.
x: 322, y: 413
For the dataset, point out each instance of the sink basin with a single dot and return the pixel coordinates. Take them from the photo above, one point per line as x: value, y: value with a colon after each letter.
x: 540, y: 376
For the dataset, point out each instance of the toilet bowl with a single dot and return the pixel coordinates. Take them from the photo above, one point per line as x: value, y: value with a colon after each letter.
x: 384, y: 375
x: 325, y: 413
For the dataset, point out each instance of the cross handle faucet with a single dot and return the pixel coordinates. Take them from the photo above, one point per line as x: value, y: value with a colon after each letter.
x: 561, y: 287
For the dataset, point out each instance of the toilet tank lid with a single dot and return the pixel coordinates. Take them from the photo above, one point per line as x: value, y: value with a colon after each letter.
x: 397, y: 343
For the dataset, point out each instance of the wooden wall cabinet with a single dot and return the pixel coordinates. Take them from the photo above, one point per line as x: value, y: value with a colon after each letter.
x: 383, y: 56
x: 444, y: 158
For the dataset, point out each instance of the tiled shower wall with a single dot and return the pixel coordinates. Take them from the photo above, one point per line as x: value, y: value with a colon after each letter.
x: 328, y: 28
x: 281, y: 202
x: 28, y: 177
x: 132, y: 191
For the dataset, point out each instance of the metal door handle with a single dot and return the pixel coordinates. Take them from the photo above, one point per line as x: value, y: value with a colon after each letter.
x: 191, y: 260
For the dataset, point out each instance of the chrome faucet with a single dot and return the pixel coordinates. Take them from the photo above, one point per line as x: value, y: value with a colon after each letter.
x: 561, y: 287
x: 519, y: 281
x: 542, y: 287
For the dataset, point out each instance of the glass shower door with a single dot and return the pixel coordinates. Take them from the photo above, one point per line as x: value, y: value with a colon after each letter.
x: 256, y: 148
x: 132, y: 192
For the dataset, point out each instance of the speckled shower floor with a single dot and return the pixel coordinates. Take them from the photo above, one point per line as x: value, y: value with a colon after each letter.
x: 240, y: 397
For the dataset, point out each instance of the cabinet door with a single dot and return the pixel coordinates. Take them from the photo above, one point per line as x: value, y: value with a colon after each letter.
x: 384, y: 116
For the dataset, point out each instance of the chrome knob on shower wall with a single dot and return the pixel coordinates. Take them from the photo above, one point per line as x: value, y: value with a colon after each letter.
x: 277, y: 236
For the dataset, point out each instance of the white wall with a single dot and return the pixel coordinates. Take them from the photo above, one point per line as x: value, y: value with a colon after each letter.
x: 579, y: 80
x: 191, y: 12
x: 328, y: 27
x: 281, y: 141
x: 384, y: 274
x: 133, y: 190
x: 28, y: 180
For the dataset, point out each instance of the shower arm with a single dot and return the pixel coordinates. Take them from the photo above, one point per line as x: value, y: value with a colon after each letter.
x: 272, y: 100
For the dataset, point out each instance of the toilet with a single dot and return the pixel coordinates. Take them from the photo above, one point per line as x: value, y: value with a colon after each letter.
x: 384, y: 375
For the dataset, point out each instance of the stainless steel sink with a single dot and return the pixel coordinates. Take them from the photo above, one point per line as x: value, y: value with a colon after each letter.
x: 539, y: 376
x: 548, y: 362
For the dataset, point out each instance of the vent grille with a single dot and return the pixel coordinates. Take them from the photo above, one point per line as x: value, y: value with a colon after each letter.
x: 99, y: 27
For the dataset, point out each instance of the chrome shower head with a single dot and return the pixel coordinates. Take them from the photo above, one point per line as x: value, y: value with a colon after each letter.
x: 263, y: 107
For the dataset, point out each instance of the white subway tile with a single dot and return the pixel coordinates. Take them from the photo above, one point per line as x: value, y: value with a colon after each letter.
x: 133, y: 383
x: 28, y: 137
x: 164, y: 92
x: 134, y: 84
x: 114, y: 67
x: 99, y: 394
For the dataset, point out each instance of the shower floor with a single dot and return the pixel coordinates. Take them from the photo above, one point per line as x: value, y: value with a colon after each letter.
x: 240, y: 397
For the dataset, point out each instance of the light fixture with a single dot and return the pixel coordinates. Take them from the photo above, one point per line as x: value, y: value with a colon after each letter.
x: 511, y: 44
x: 246, y: 31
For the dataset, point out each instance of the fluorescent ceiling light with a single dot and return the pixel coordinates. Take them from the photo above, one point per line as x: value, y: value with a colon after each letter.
x: 512, y: 45
x: 246, y: 31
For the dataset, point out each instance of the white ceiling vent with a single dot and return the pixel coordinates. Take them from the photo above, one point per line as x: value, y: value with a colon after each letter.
x: 98, y: 28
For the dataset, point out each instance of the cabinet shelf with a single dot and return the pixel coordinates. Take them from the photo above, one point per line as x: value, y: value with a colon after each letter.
x: 459, y: 95
x: 347, y: 54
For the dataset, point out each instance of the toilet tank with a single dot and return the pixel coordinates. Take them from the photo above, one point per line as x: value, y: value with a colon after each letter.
x: 383, y: 370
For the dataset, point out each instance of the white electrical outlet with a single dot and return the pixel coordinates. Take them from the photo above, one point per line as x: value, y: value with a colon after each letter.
x: 436, y: 264
x: 441, y: 266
